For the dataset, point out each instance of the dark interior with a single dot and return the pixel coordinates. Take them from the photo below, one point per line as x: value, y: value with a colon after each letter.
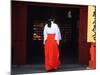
x: 37, y: 17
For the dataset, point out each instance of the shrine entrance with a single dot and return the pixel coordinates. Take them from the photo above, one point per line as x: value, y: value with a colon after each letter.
x: 28, y: 20
x: 67, y: 20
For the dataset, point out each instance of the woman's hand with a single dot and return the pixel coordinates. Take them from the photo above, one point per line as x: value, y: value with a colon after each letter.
x: 57, y: 42
x: 44, y: 42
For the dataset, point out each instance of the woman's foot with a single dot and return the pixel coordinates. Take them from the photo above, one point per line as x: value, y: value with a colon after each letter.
x: 51, y: 70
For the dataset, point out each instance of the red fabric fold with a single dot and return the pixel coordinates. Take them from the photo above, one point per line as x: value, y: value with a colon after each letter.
x: 51, y: 53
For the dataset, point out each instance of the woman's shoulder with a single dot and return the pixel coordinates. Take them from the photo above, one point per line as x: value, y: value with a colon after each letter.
x: 55, y: 25
x: 45, y: 25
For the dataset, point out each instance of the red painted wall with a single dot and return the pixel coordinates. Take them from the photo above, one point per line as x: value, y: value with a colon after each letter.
x: 84, y: 47
x: 19, y: 21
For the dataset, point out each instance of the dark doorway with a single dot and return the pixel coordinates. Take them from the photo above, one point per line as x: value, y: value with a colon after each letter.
x: 67, y: 19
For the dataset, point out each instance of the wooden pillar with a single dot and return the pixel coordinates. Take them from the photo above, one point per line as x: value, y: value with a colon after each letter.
x: 92, y: 62
x: 83, y: 45
x: 19, y: 22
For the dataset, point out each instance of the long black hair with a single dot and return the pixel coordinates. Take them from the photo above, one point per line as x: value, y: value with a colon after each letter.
x: 49, y: 22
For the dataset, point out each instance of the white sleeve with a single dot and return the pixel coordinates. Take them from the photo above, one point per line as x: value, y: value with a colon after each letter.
x: 58, y: 34
x: 45, y: 34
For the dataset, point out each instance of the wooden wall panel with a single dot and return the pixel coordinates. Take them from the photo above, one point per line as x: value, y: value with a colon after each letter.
x: 19, y: 22
x: 84, y: 47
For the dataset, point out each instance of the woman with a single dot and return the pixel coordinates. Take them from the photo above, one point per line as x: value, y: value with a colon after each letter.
x: 52, y: 37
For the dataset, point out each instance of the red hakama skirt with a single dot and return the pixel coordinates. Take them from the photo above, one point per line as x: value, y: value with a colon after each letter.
x: 51, y: 53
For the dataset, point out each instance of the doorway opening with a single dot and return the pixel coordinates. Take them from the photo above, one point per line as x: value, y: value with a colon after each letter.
x: 67, y: 19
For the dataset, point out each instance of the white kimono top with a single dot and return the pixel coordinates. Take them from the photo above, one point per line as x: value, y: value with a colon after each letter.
x: 54, y: 29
